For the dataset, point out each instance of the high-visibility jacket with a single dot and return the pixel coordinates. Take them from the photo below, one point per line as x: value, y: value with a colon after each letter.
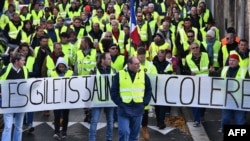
x: 154, y: 48
x: 4, y: 19
x: 36, y: 16
x: 50, y: 65
x: 143, y: 31
x: 6, y: 73
x: 225, y: 54
x: 204, y: 63
x: 132, y: 90
x: 216, y: 48
x: 13, y: 32
x: 68, y: 73
x: 243, y: 63
x: 183, y: 35
x: 63, y: 10
x: 85, y: 63
x: 25, y: 18
x: 241, y: 73
x: 30, y: 63
x: 119, y: 62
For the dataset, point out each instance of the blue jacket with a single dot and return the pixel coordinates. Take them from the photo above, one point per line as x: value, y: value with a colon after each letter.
x: 132, y: 108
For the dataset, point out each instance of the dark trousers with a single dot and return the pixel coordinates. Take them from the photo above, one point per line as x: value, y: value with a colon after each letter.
x: 144, y: 121
x: 160, y: 112
x: 64, y: 113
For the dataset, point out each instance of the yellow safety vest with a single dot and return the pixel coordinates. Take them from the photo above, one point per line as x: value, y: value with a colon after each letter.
x: 51, y: 65
x: 85, y: 63
x: 132, y: 90
x: 36, y: 16
x: 204, y: 62
x: 216, y: 47
x: 13, y: 32
x: 119, y: 62
x: 154, y: 49
x: 240, y: 74
x: 143, y: 31
x: 54, y: 74
x: 243, y: 63
x: 29, y: 63
x: 5, y: 75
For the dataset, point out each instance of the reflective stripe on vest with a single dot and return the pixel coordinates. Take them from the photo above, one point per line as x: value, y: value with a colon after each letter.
x: 85, y: 63
x: 204, y: 62
x: 132, y: 90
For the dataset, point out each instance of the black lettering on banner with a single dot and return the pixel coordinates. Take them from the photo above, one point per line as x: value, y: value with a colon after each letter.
x: 214, y: 89
x: 199, y: 93
x: 10, y: 93
x: 76, y: 91
x: 107, y: 88
x: 54, y: 90
x: 32, y: 87
x: 86, y: 86
x: 65, y: 86
x: 165, y: 90
x: 46, y: 93
x: 154, y: 95
x: 19, y: 86
x: 245, y: 82
x: 193, y: 91
x: 231, y: 92
x: 95, y: 88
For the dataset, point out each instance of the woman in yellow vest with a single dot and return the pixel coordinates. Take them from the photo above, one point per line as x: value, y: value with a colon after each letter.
x: 61, y: 70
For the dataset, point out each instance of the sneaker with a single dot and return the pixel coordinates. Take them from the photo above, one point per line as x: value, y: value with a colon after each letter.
x: 64, y: 135
x: 57, y: 136
x: 196, y: 124
x: 115, y: 125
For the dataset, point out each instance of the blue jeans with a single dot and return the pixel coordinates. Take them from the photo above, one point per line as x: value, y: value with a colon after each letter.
x: 95, y: 116
x: 239, y: 117
x: 198, y: 113
x: 28, y: 119
x: 9, y: 119
x: 115, y: 114
x: 129, y: 127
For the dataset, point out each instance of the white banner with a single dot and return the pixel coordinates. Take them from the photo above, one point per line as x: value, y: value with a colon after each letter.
x: 93, y: 91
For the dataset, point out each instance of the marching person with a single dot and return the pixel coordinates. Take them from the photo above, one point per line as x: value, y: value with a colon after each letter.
x: 103, y: 67
x: 131, y: 91
x: 61, y: 70
x: 15, y: 70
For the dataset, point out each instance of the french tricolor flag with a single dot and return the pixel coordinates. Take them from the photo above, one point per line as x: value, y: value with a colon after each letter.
x: 134, y: 35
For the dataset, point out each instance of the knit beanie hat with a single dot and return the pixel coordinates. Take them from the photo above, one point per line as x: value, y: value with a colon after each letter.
x: 234, y: 56
x: 211, y: 33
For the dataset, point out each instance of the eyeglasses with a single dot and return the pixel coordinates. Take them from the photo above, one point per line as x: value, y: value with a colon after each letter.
x: 193, y: 48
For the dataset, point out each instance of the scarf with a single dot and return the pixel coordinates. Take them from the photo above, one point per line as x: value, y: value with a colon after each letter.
x: 210, y: 50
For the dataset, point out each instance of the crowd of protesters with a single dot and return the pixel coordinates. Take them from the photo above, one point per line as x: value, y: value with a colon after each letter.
x: 177, y: 37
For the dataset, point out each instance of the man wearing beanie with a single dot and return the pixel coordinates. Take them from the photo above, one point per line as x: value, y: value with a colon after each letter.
x: 233, y: 70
